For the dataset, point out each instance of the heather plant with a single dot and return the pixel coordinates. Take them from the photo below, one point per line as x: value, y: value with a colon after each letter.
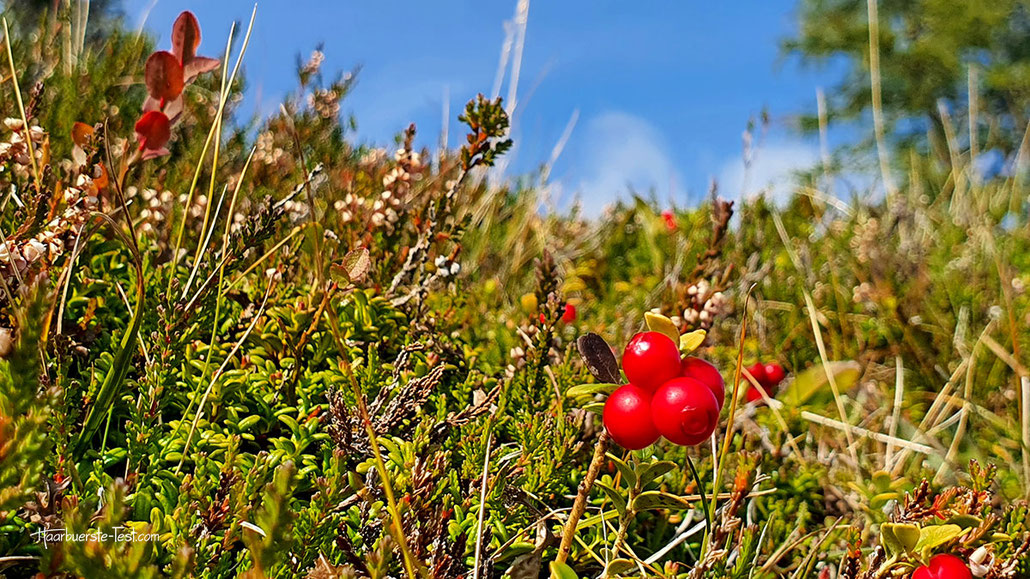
x: 255, y: 348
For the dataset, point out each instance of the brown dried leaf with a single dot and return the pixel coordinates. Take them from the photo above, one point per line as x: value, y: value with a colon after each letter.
x: 354, y: 267
x: 599, y: 358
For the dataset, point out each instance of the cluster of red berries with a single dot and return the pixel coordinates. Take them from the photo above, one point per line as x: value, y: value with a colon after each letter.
x: 768, y: 376
x: 666, y: 396
x: 943, y: 566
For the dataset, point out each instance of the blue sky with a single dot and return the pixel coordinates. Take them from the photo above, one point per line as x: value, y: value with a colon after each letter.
x: 664, y: 90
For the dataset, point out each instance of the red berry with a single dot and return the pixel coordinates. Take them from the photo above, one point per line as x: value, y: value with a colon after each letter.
x: 705, y: 372
x: 774, y: 374
x: 685, y: 411
x: 753, y: 395
x: 650, y: 360
x: 943, y: 566
x: 758, y: 372
x: 627, y: 416
x: 670, y: 220
x: 569, y: 315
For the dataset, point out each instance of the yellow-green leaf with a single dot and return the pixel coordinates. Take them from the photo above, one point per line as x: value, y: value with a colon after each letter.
x: 692, y: 341
x: 935, y: 536
x: 662, y: 325
x: 562, y: 571
x: 590, y: 389
x: 815, y: 381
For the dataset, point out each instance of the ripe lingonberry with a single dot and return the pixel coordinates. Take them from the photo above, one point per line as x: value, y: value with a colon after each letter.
x: 753, y: 394
x: 650, y: 360
x: 685, y: 411
x: 774, y: 374
x: 757, y: 370
x: 569, y: 315
x: 705, y: 372
x: 943, y: 566
x: 627, y: 416
x: 768, y: 377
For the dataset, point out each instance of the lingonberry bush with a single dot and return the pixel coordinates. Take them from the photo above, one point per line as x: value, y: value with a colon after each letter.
x: 253, y: 347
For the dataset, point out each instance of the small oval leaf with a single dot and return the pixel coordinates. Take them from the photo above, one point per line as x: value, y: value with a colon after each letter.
x: 628, y: 476
x: 663, y: 325
x: 599, y: 358
x: 616, y: 497
x: 649, y: 500
x: 356, y: 264
x: 164, y: 77
x: 590, y: 390
x: 692, y: 341
x: 562, y: 571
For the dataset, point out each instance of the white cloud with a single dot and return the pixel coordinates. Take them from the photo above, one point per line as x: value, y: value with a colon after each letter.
x: 617, y: 151
x: 771, y: 172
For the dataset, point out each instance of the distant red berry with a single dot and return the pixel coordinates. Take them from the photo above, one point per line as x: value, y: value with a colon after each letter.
x: 705, y: 372
x: 943, y: 566
x: 754, y: 395
x: 627, y: 417
x: 774, y: 373
x: 543, y: 320
x: 570, y: 314
x: 650, y: 360
x: 685, y: 411
x: 758, y: 372
x: 670, y: 220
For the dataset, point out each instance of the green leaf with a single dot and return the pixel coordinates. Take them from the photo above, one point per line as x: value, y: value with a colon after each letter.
x: 965, y: 521
x: 814, y: 381
x: 562, y: 571
x: 647, y: 473
x: 618, y: 567
x: 935, y: 536
x: 889, y: 540
x: 905, y: 535
x: 691, y: 341
x: 649, y: 500
x: 628, y: 476
x: 616, y: 497
x: 582, y: 390
x: 662, y: 325
x: 111, y: 387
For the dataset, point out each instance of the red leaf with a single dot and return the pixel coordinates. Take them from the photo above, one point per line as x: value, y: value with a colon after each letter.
x: 185, y: 37
x: 153, y: 130
x: 164, y: 76
x: 199, y: 65
x: 185, y: 40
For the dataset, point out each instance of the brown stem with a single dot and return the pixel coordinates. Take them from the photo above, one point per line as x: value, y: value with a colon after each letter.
x: 578, y: 507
